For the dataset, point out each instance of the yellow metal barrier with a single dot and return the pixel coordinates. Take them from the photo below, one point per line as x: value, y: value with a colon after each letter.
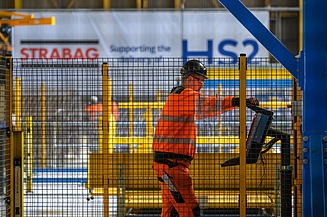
x: 43, y: 131
x: 242, y: 167
x: 18, y: 105
x: 129, y: 176
x: 18, y: 152
x: 222, y: 192
x: 107, y: 145
x: 29, y: 153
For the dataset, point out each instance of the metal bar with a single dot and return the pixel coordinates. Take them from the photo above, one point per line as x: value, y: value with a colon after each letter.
x: 138, y: 4
x: 286, y: 177
x: 145, y: 4
x: 242, y: 135
x: 18, y: 141
x: 18, y: 4
x: 100, y: 127
x: 297, y: 150
x: 29, y: 22
x: 130, y: 110
x: 300, y: 24
x: 70, y: 4
x: 314, y: 108
x: 105, y: 124
x: 263, y: 35
x: 43, y: 128
x: 18, y: 105
x: 9, y: 143
x: 106, y: 4
x: 29, y: 154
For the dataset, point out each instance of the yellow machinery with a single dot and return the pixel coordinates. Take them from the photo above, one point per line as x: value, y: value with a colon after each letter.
x: 10, y: 19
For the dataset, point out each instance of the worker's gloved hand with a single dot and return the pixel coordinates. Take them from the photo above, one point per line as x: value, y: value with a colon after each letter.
x: 252, y: 101
x: 249, y: 101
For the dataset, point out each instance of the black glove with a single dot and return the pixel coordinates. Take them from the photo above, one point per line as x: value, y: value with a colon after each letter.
x: 249, y: 101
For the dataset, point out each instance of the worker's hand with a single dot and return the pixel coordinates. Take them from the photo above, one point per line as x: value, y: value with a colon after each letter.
x: 252, y: 101
x: 249, y: 101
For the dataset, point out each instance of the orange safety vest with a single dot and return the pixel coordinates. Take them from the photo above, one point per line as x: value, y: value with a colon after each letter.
x: 175, y: 132
x: 95, y: 110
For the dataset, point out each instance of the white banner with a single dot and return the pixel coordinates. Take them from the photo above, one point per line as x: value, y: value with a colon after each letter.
x: 138, y: 34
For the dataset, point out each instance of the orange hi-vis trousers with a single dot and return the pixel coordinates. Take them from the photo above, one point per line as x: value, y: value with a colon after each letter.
x: 178, y: 196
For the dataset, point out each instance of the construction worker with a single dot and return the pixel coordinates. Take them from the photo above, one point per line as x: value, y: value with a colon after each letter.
x: 94, y: 108
x: 175, y: 136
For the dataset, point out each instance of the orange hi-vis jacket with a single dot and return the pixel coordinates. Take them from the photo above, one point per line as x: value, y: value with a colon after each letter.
x: 175, y: 132
x: 95, y: 110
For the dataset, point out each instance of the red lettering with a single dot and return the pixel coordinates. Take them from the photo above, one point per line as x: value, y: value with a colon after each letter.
x: 43, y: 53
x: 54, y: 54
x: 92, y: 53
x: 33, y: 51
x: 66, y: 53
x: 24, y: 53
x: 78, y: 53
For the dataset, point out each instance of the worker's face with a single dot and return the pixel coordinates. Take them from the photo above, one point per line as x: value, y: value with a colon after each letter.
x: 197, y: 82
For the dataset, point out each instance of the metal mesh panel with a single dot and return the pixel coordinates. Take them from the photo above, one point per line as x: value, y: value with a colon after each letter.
x: 4, y: 144
x: 82, y: 161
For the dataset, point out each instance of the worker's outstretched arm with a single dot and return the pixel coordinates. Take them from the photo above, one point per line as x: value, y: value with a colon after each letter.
x: 214, y: 106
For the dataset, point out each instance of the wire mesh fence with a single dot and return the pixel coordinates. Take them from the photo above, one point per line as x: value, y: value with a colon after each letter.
x: 5, y: 152
x: 90, y: 124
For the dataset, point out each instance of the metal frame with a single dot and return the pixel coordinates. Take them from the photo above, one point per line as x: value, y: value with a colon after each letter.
x: 311, y: 74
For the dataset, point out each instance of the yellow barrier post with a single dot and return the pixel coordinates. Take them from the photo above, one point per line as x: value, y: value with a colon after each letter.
x: 220, y: 93
x: 9, y: 125
x: 18, y: 150
x: 17, y: 103
x: 131, y: 110
x: 43, y: 150
x: 100, y: 127
x: 29, y: 156
x: 242, y: 135
x: 107, y: 149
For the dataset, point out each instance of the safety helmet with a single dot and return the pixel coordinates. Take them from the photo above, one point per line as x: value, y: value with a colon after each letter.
x: 94, y: 99
x: 194, y: 67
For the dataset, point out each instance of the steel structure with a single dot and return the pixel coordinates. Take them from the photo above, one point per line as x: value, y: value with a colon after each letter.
x: 310, y: 71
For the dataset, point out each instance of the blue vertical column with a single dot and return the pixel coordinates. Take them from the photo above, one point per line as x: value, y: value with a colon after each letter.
x: 314, y: 107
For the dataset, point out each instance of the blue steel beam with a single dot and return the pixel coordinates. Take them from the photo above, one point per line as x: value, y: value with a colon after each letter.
x: 263, y: 35
x: 312, y: 75
x: 314, y: 108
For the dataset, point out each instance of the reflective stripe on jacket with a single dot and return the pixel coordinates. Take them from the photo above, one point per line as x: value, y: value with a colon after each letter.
x: 176, y: 131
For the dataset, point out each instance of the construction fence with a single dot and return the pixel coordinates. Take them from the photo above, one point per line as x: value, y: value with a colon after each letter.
x: 86, y: 130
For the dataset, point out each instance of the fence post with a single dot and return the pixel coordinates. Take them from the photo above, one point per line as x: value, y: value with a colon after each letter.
x: 29, y: 156
x: 242, y: 135
x: 18, y: 152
